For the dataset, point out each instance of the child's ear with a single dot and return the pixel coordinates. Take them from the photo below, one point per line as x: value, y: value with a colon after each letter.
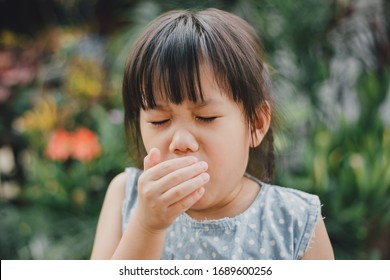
x: 261, y: 125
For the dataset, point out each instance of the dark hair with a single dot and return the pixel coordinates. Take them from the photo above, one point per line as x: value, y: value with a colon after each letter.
x: 168, y: 56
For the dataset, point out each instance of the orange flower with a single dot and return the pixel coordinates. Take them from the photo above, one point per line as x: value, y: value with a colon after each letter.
x: 85, y: 145
x: 58, y: 147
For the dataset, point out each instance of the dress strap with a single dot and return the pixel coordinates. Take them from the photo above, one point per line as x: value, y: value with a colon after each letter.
x: 130, y: 199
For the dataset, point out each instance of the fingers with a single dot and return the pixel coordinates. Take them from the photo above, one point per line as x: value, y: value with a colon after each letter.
x: 161, y: 169
x: 152, y: 159
x: 179, y: 193
x: 182, y: 175
x: 178, y: 173
x: 192, y: 175
x: 187, y: 202
x: 168, y: 188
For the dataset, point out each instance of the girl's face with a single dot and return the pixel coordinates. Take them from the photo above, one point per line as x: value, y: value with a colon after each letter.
x: 215, y: 131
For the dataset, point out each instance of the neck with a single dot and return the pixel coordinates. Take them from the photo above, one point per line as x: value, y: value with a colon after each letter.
x: 239, y: 201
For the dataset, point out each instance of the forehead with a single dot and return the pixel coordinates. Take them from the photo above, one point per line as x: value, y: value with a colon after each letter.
x: 202, y: 89
x: 214, y: 99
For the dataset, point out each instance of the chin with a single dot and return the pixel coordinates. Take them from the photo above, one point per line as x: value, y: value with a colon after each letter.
x: 201, y: 204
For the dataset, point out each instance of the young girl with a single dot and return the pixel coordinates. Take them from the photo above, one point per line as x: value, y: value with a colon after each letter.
x: 197, y: 93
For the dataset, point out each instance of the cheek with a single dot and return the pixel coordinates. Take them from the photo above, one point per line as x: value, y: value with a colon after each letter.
x: 151, y: 139
x: 234, y: 146
x: 147, y: 136
x: 144, y: 135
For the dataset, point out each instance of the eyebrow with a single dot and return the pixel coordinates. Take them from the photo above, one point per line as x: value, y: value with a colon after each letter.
x: 207, y: 102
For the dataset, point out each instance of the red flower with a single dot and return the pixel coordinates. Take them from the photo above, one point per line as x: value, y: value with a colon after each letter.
x: 58, y: 147
x: 85, y: 145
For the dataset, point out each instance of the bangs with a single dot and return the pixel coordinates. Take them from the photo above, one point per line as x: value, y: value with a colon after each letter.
x: 167, y: 60
x: 170, y: 65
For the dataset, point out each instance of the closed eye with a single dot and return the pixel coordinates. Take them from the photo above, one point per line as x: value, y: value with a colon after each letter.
x: 159, y: 123
x: 206, y: 119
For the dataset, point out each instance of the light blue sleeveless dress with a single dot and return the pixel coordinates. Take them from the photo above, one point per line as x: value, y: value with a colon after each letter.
x: 278, y: 225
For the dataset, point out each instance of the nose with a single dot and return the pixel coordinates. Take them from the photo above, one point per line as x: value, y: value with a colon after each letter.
x: 183, y: 141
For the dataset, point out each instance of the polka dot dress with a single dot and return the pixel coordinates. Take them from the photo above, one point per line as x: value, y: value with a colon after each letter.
x: 278, y: 225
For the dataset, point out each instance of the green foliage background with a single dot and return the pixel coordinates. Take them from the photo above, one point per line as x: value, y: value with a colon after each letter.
x: 331, y: 77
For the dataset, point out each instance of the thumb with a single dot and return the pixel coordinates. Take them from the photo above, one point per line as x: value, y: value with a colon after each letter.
x: 152, y: 159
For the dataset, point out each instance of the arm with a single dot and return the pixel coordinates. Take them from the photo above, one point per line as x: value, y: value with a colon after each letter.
x: 109, y: 242
x: 320, y: 246
x: 109, y: 231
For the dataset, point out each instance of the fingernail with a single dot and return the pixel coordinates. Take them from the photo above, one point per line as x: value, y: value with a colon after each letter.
x: 203, y: 165
x: 205, y: 177
x: 200, y: 191
x: 193, y: 159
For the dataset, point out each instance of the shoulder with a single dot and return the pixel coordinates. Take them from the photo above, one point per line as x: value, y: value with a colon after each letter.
x: 293, y: 202
x: 282, y: 196
x: 117, y: 184
x: 122, y: 184
x: 118, y: 181
x: 116, y: 189
x: 293, y: 213
x: 300, y: 209
x: 291, y: 199
x: 124, y: 181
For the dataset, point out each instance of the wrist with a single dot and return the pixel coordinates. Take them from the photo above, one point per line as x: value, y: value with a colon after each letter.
x: 139, y: 222
x: 145, y: 242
